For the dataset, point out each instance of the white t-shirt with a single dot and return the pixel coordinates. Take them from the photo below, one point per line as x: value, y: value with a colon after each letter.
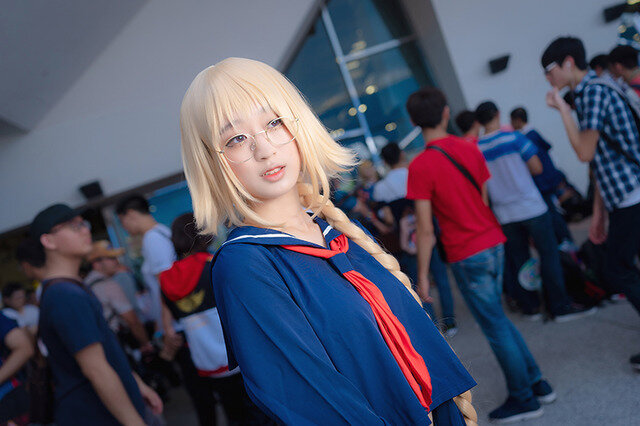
x: 392, y: 187
x: 159, y: 255
x: 27, y: 318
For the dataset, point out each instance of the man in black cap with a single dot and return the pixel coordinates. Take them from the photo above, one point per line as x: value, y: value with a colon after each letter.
x: 94, y: 383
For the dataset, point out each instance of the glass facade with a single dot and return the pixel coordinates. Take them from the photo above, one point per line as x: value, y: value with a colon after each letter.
x: 357, y: 66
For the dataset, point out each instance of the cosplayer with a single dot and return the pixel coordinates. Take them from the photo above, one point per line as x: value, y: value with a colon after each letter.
x: 320, y: 320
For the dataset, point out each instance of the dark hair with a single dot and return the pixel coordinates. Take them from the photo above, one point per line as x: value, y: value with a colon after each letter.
x: 561, y: 48
x: 426, y: 106
x: 31, y: 252
x: 626, y: 56
x: 10, y: 288
x: 465, y: 120
x: 601, y: 61
x: 390, y: 153
x: 133, y: 202
x: 486, y: 112
x: 520, y: 114
x: 185, y: 236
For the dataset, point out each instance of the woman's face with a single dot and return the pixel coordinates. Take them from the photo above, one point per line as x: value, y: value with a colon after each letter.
x: 273, y: 170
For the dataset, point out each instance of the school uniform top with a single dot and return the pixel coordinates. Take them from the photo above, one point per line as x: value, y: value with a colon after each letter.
x: 308, y: 344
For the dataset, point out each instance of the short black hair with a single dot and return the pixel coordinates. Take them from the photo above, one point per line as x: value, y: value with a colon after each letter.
x: 134, y: 202
x: 561, y: 48
x: 486, y: 112
x: 464, y: 120
x: 425, y: 107
x: 601, y: 61
x: 520, y: 114
x: 10, y: 288
x: 390, y: 153
x: 626, y: 56
x: 31, y: 252
x: 185, y: 236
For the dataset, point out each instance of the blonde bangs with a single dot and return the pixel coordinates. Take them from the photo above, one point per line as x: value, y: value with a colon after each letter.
x: 217, y: 97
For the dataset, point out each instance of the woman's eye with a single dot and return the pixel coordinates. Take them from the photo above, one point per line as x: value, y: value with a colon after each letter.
x: 274, y: 123
x: 236, y: 140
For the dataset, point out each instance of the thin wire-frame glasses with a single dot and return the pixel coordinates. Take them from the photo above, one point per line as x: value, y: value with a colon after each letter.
x: 279, y: 131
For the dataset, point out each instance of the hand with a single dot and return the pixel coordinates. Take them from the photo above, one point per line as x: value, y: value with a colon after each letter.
x: 151, y: 398
x: 423, y: 290
x: 597, y: 229
x: 554, y: 100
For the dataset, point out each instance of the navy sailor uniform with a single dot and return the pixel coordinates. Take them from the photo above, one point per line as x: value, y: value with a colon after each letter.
x: 307, y: 343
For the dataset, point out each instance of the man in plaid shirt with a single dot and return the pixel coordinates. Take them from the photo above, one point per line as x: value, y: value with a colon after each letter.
x: 607, y: 136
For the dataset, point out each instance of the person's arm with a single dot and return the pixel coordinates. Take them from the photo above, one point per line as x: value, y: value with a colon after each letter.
x: 150, y: 396
x: 107, y: 384
x: 425, y: 241
x: 598, y: 228
x: 584, y: 142
x: 285, y: 367
x: 136, y: 327
x: 21, y: 349
x: 535, y: 165
x: 485, y: 194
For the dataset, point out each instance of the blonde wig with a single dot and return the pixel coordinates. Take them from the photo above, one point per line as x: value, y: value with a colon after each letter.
x: 230, y: 90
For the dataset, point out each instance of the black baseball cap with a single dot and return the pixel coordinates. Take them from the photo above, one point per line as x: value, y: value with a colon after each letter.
x: 50, y: 217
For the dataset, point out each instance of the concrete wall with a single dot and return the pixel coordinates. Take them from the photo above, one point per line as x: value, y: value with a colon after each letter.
x: 476, y: 31
x: 118, y: 123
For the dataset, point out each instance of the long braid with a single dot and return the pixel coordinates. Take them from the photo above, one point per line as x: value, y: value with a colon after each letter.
x: 339, y: 220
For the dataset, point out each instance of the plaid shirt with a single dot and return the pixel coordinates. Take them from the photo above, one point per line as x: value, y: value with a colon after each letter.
x: 602, y: 108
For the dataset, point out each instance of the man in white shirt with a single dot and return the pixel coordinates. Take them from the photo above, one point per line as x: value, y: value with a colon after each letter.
x: 157, y: 249
x: 14, y: 298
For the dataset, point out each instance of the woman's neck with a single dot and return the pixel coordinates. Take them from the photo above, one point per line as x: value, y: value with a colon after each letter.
x: 290, y: 216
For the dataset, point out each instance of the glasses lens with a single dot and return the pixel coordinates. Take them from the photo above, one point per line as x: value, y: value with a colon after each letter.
x: 237, y: 149
x: 282, y: 130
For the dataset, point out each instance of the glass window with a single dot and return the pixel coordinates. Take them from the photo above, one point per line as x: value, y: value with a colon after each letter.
x: 384, y: 82
x: 315, y: 72
x: 365, y: 23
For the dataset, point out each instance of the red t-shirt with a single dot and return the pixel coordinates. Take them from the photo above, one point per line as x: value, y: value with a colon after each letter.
x: 467, y: 224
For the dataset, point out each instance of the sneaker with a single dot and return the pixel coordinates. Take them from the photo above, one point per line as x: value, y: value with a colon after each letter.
x: 618, y: 297
x: 450, y: 330
x: 635, y: 361
x: 573, y: 313
x: 532, y: 315
x: 544, y: 392
x: 514, y: 411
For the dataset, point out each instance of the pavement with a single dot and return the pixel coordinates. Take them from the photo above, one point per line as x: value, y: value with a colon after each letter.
x: 585, y: 360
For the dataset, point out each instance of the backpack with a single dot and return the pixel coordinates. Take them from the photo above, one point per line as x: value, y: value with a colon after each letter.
x: 580, y: 288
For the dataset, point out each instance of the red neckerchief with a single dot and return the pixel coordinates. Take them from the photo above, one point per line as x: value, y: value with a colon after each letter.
x: 392, y: 330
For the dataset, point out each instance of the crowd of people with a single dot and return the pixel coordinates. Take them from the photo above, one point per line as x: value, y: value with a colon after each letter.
x: 316, y: 285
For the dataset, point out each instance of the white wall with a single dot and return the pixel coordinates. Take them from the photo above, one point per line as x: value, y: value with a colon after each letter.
x: 477, y: 31
x: 119, y: 122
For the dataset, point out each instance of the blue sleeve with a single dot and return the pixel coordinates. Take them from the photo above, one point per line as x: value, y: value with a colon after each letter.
x: 286, y: 370
x: 540, y: 142
x: 73, y: 318
x: 6, y: 325
x: 526, y: 148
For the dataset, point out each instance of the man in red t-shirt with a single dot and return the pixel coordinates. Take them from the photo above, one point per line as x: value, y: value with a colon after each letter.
x: 449, y: 180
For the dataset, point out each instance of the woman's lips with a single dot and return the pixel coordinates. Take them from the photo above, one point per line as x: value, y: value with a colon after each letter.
x: 274, y: 174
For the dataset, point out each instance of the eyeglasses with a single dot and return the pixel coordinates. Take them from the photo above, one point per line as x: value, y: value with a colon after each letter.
x: 549, y: 67
x: 74, y: 226
x: 241, y: 147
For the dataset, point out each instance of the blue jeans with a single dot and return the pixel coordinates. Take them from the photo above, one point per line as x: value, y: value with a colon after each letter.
x: 540, y: 229
x: 479, y: 278
x: 438, y: 269
x: 560, y: 228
